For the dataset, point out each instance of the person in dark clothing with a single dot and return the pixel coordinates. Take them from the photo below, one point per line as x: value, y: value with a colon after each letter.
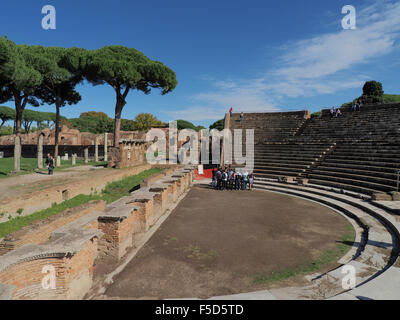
x: 48, y: 159
x: 231, y: 178
x: 238, y: 177
x: 214, y: 178
x: 218, y: 176
x: 50, y: 163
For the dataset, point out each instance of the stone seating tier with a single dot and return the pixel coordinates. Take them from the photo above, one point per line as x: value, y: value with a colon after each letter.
x: 358, y: 151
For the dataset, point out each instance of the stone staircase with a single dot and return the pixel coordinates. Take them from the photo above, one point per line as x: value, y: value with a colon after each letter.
x: 361, y: 167
x: 268, y: 127
x: 358, y: 151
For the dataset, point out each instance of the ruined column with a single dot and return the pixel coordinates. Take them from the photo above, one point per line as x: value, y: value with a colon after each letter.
x: 86, y: 154
x: 58, y: 161
x: 17, y: 154
x: 105, y: 146
x: 40, y: 152
x: 74, y: 159
x: 96, y: 150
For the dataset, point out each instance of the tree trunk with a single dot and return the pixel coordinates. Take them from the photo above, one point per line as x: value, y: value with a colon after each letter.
x: 18, y: 118
x: 117, y: 123
x: 117, y: 127
x: 57, y: 130
x: 19, y: 109
x: 2, y: 124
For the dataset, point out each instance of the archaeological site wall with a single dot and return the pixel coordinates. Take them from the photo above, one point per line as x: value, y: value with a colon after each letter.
x: 81, y: 240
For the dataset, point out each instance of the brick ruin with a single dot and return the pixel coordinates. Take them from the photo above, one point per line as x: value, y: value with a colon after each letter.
x: 68, y: 137
x: 129, y: 152
x: 75, y: 243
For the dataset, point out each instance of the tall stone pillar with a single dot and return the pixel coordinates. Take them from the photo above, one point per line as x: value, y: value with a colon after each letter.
x: 105, y: 146
x: 86, y: 154
x: 96, y: 150
x: 17, y: 154
x: 40, y: 151
x: 74, y: 159
x: 58, y: 161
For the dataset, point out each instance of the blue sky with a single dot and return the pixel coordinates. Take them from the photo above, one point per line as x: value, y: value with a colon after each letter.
x: 249, y: 55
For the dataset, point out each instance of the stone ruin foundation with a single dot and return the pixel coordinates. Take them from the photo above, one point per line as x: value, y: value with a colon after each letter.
x: 77, y: 243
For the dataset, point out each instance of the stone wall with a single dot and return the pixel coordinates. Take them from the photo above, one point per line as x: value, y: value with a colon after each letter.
x: 40, y: 231
x: 129, y: 153
x: 42, y: 199
x: 77, y: 248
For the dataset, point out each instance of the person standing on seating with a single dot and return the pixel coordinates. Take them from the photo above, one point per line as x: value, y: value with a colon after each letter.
x: 333, y: 112
x: 241, y: 117
x: 359, y: 104
x: 355, y: 105
x: 230, y: 111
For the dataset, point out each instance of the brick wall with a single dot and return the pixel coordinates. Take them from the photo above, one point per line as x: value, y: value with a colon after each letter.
x: 40, y: 231
x: 80, y: 244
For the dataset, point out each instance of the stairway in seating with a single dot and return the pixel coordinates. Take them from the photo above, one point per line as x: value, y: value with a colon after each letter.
x: 319, y: 160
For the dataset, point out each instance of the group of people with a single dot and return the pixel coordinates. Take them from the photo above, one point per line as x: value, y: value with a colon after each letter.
x: 232, y: 179
x: 335, y: 112
x: 241, y: 114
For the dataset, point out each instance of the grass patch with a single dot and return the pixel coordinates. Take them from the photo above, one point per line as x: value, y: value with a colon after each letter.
x: 326, y: 258
x: 118, y: 189
x: 29, y: 165
x: 20, y: 222
x: 112, y: 192
x: 391, y: 98
x: 7, y: 166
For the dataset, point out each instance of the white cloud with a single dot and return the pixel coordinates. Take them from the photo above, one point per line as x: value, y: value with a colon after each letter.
x: 323, y: 64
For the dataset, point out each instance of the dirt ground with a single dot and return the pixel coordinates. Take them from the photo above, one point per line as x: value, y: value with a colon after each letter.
x: 217, y: 243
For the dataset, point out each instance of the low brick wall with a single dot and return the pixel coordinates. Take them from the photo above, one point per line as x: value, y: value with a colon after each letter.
x: 45, y: 198
x: 72, y: 256
x: 131, y: 216
x: 40, y: 231
x: 79, y: 239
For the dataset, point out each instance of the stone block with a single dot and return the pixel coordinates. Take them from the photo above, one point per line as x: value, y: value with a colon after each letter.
x: 302, y: 181
x: 381, y: 196
x: 395, y: 195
